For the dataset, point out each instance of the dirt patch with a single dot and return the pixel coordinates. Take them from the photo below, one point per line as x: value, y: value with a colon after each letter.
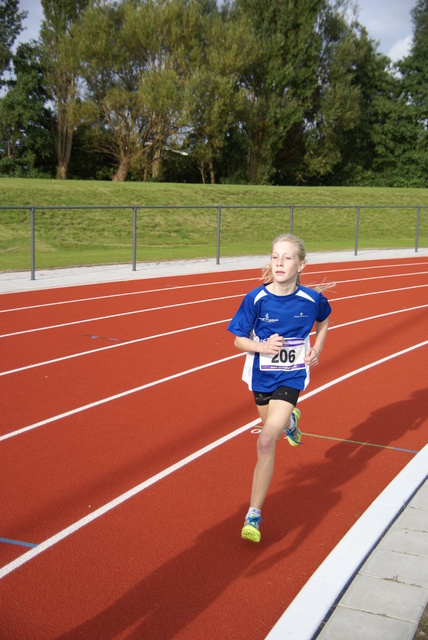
x: 422, y: 632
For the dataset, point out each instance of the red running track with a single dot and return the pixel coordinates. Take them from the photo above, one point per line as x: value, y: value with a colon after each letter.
x: 128, y: 443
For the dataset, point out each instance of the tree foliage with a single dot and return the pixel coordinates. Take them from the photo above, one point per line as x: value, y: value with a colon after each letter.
x: 25, y: 137
x: 272, y: 92
x: 61, y: 65
x: 10, y: 27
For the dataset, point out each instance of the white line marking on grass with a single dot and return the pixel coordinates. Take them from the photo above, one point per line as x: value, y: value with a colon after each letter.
x: 50, y: 542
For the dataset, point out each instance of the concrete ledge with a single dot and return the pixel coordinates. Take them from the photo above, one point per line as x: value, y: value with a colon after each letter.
x: 303, y: 618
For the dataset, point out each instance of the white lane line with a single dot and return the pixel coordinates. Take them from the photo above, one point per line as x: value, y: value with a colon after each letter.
x: 50, y: 542
x: 375, y: 293
x: 29, y: 555
x: 376, y: 317
x: 199, y: 326
x: 364, y: 368
x: 204, y: 284
x: 128, y: 293
x: 116, y: 396
x: 369, y: 268
x: 183, y: 304
x: 154, y: 383
x: 389, y: 276
x: 120, y: 315
x: 113, y: 346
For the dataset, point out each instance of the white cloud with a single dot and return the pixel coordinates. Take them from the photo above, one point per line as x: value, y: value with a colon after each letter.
x: 389, y: 23
x: 32, y: 22
x: 400, y: 49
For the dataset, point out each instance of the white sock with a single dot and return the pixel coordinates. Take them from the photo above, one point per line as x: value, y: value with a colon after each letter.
x: 253, y: 512
x: 292, y: 423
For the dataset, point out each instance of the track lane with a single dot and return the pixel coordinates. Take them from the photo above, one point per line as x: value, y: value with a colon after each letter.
x: 119, y: 370
x: 13, y: 317
x: 110, y: 290
x: 163, y: 565
x: 21, y: 349
x: 95, y: 436
x: 121, y: 611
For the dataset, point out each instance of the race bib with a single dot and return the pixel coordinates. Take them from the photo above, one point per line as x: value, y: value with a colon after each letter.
x: 289, y: 358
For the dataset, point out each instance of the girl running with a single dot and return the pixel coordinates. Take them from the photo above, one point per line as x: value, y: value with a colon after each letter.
x: 272, y: 326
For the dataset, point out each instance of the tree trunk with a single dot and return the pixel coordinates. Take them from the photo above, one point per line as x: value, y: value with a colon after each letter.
x: 122, y: 171
x: 156, y: 164
x: 61, y: 171
x: 63, y: 137
x: 212, y: 172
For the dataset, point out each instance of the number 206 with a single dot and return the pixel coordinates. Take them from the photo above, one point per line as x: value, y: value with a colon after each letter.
x: 285, y: 356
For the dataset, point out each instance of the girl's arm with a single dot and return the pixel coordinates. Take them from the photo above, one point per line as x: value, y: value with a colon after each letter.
x: 272, y: 345
x: 314, y: 352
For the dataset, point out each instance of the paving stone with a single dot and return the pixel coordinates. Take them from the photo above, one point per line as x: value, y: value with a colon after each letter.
x: 407, y: 541
x: 386, y: 597
x: 348, y: 624
x: 399, y: 567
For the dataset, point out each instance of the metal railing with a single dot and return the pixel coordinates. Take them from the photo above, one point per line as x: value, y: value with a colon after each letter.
x: 292, y: 208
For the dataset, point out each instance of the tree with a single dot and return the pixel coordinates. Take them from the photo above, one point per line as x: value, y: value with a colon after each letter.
x: 134, y: 63
x: 216, y: 97
x: 111, y: 69
x: 10, y: 27
x: 168, y: 29
x: 281, y: 81
x: 354, y: 79
x: 59, y: 42
x: 400, y: 131
x: 26, y: 141
x: 414, y: 68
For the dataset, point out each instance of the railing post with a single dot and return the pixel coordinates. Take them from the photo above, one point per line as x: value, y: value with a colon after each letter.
x: 291, y: 218
x: 33, y: 244
x: 218, y: 235
x: 357, y: 227
x: 134, y: 239
x: 417, y: 229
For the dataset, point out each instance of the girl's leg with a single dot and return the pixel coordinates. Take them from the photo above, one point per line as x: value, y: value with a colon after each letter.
x: 276, y: 417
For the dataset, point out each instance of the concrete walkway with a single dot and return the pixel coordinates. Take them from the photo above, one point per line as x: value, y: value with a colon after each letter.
x: 387, y: 598
x: 12, y: 281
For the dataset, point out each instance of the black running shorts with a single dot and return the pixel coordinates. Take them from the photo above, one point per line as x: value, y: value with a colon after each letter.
x: 288, y: 394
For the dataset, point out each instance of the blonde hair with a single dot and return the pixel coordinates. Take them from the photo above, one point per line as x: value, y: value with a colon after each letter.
x: 267, y: 275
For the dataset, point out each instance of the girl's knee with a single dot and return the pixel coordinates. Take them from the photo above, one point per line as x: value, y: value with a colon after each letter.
x: 266, y: 443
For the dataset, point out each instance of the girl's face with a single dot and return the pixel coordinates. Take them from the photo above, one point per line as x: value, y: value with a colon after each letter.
x: 285, y: 262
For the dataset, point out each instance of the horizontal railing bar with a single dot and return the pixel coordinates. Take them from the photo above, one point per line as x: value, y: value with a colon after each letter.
x: 216, y: 206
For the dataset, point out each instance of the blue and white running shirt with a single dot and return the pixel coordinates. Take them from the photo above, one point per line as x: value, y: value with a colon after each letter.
x: 262, y: 314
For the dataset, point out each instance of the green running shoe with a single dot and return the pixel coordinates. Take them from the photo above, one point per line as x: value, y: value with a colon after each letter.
x: 293, y: 434
x: 250, y: 530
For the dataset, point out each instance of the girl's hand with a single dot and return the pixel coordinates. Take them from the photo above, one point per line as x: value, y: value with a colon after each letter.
x: 311, y: 357
x: 272, y: 345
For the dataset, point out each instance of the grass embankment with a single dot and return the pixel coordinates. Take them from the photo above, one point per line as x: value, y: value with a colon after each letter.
x: 97, y: 236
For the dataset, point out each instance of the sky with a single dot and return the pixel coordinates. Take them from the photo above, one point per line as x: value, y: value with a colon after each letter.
x: 387, y: 21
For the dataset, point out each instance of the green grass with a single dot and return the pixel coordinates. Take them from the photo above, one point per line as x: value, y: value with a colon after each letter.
x: 99, y: 236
